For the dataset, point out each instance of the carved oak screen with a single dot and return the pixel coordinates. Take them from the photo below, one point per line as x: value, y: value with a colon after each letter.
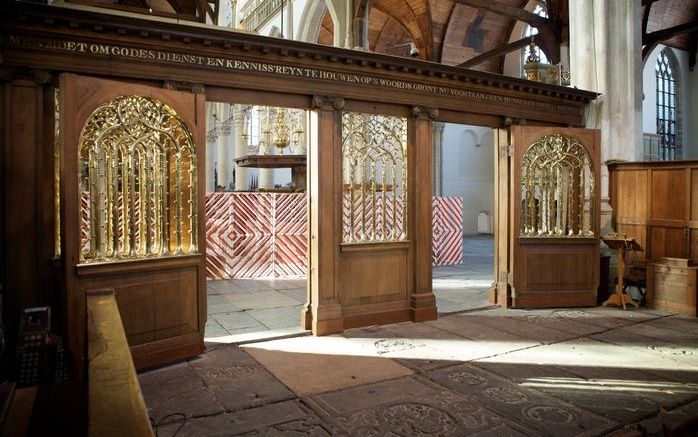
x: 557, y: 189
x: 374, y: 160
x: 137, y: 175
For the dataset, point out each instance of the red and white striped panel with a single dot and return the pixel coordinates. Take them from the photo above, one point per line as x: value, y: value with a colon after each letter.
x: 447, y: 222
x: 253, y: 235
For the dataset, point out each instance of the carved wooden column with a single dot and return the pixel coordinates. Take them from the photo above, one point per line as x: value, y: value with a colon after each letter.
x: 500, y: 290
x: 323, y: 312
x: 28, y: 194
x: 420, y: 132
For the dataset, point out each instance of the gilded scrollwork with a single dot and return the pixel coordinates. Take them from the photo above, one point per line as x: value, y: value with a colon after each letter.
x: 557, y: 189
x: 374, y: 155
x: 137, y: 173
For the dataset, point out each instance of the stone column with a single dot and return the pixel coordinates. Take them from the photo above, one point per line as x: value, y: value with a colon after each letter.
x: 223, y: 166
x: 266, y: 178
x: 342, y: 12
x: 241, y: 173
x: 606, y: 57
x: 289, y: 34
x: 438, y: 130
x: 211, y: 138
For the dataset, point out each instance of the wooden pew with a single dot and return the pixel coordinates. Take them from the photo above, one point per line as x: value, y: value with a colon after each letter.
x: 116, y: 406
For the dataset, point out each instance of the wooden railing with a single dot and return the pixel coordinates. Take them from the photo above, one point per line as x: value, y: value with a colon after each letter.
x: 116, y: 406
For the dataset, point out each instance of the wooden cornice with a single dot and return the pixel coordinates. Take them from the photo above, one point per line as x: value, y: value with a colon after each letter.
x: 53, y: 18
x: 233, y: 65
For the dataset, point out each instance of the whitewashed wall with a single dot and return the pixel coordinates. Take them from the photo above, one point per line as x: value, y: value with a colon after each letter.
x: 468, y: 171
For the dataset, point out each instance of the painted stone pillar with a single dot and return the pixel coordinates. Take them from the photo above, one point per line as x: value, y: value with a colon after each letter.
x: 224, y: 164
x: 322, y: 312
x: 241, y: 173
x: 605, y: 56
x: 211, y: 152
x: 438, y: 130
x: 420, y: 132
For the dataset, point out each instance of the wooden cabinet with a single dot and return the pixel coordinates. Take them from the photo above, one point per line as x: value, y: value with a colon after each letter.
x: 671, y: 286
x: 656, y: 203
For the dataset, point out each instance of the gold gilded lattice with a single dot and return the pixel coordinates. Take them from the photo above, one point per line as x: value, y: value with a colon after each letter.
x: 137, y: 172
x: 557, y: 189
x: 57, y: 174
x: 374, y: 155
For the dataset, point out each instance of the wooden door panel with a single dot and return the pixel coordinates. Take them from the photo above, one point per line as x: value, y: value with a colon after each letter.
x: 632, y: 201
x: 558, y: 263
x: 161, y: 299
x: 543, y: 265
x: 694, y: 245
x: 668, y: 242
x: 372, y: 278
x: 668, y: 185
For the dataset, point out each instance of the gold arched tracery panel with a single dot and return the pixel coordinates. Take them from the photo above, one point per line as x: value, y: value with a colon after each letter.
x: 374, y: 159
x: 557, y: 189
x: 137, y: 181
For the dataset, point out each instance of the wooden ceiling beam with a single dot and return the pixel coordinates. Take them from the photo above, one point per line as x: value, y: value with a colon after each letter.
x: 500, y: 51
x: 511, y: 11
x: 645, y: 19
x: 549, y: 31
x: 650, y: 40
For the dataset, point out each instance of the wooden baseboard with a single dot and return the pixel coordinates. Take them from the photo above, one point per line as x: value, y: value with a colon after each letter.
x: 153, y: 354
x: 554, y: 299
x: 423, y: 314
x: 379, y: 318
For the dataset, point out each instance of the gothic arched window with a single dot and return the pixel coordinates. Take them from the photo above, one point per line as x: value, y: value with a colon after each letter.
x: 667, y: 105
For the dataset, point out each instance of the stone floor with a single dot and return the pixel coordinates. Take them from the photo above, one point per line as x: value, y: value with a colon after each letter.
x: 247, y: 309
x: 490, y: 372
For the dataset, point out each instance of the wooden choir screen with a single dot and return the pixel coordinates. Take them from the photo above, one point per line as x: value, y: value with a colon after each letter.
x: 547, y: 242
x: 374, y: 162
x: 656, y: 203
x: 375, y: 247
x: 370, y: 223
x: 130, y: 203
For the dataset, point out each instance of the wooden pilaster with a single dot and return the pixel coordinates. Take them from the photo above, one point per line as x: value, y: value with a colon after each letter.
x: 323, y: 312
x: 422, y: 302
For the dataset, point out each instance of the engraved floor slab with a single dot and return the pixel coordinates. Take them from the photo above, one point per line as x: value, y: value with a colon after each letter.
x: 520, y: 326
x: 174, y: 389
x: 409, y: 406
x: 523, y: 405
x: 333, y: 361
x: 284, y: 418
x: 236, y: 380
x: 627, y: 396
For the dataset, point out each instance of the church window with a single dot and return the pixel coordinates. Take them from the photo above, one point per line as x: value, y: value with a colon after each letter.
x: 667, y: 107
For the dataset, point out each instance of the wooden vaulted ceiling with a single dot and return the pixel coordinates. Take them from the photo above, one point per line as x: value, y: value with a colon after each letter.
x: 454, y: 32
x: 445, y: 31
x: 671, y: 22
